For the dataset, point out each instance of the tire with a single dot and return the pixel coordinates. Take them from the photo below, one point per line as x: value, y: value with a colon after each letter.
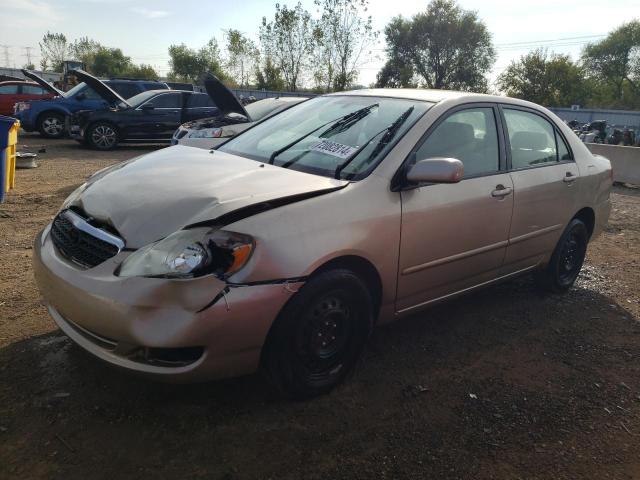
x: 102, y: 136
x: 319, y: 335
x: 51, y: 125
x: 566, y: 261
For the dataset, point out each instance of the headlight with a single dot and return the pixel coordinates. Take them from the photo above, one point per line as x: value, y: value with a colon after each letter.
x: 20, y: 106
x: 190, y: 253
x: 73, y: 196
x: 206, y: 133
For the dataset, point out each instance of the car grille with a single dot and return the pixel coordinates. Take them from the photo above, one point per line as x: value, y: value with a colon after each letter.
x: 81, y: 242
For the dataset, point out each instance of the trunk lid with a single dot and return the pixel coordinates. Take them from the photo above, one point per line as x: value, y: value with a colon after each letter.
x: 42, y: 82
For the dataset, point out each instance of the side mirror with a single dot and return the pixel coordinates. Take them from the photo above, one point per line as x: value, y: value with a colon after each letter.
x: 148, y: 106
x: 436, y: 170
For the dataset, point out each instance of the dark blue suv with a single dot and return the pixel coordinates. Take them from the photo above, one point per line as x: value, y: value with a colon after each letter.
x: 49, y: 116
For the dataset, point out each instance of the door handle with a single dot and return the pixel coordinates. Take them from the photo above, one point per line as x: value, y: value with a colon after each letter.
x: 569, y: 177
x: 501, y: 191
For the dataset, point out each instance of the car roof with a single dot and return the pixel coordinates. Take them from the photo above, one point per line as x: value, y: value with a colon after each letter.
x: 436, y: 96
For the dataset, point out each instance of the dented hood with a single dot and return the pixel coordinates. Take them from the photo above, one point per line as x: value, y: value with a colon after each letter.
x: 42, y: 82
x: 150, y: 197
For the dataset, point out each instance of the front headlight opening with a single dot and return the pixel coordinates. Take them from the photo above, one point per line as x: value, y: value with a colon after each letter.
x: 191, y: 253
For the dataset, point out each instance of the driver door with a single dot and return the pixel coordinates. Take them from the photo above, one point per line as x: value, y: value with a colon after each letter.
x: 158, y: 117
x: 454, y: 236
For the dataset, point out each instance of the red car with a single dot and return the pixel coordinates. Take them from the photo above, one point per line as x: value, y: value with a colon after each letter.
x: 14, y: 91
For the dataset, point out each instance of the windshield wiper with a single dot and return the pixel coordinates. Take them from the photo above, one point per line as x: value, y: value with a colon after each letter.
x: 339, y: 125
x: 389, y: 133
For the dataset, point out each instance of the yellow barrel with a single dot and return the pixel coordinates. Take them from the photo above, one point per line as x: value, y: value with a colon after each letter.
x: 10, y: 153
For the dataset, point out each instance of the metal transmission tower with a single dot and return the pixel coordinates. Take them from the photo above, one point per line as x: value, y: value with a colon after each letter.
x: 27, y: 53
x: 5, y: 54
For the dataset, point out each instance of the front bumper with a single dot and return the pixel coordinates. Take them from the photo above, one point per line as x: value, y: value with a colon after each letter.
x: 116, y: 318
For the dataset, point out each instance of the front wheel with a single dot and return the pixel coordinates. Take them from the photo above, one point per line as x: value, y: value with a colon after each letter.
x: 102, y: 136
x: 51, y: 125
x: 319, y: 335
x: 567, y: 259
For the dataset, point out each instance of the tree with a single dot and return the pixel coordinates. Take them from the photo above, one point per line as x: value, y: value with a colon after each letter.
x: 288, y: 41
x: 550, y: 80
x: 190, y: 65
x: 446, y: 47
x: 110, y: 62
x: 614, y: 64
x: 84, y: 49
x: 341, y: 37
x: 53, y: 51
x: 269, y: 77
x: 242, y: 55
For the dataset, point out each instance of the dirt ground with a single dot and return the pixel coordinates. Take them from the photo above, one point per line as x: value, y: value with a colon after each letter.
x: 504, y: 384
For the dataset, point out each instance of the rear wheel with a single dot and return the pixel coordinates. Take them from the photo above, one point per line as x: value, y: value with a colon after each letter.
x: 567, y: 259
x: 51, y: 125
x: 319, y: 335
x: 102, y: 136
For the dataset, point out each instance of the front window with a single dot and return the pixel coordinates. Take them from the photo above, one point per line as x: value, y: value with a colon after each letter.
x: 469, y: 136
x: 341, y: 136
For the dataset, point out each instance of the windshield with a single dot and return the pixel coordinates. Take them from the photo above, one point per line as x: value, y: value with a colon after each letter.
x: 75, y: 90
x: 335, y: 136
x: 139, y: 99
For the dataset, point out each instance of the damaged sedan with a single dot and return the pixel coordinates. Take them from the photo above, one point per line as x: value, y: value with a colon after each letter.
x: 286, y: 245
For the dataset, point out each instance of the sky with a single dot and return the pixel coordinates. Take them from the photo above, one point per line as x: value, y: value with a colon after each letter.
x: 144, y: 30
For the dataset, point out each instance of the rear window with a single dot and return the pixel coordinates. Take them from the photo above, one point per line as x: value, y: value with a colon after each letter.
x: 154, y: 86
x: 125, y: 90
x: 199, y: 100
x: 32, y: 90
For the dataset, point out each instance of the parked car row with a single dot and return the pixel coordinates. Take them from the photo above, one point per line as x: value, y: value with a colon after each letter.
x: 105, y: 113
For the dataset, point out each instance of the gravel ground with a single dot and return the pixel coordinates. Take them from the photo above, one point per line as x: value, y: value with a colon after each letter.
x: 504, y: 383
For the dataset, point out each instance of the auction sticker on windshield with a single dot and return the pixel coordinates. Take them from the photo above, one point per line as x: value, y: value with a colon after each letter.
x: 335, y: 149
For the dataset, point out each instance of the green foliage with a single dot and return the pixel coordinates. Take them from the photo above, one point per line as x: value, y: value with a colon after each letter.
x: 613, y: 66
x: 445, y: 47
x: 269, y: 77
x: 341, y: 38
x: 288, y: 41
x: 189, y: 65
x: 53, y: 51
x: 549, y: 80
x: 242, y: 57
x: 84, y: 49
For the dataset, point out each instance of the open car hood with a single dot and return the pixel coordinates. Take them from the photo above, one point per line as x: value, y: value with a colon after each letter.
x: 42, y: 82
x: 148, y: 198
x: 224, y: 98
x: 101, y: 88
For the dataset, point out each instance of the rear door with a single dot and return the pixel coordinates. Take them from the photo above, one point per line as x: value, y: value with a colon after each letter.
x: 197, y: 106
x: 545, y: 178
x: 454, y: 236
x: 9, y: 95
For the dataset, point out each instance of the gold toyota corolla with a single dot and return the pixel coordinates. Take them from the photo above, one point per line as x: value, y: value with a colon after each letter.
x: 287, y: 244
